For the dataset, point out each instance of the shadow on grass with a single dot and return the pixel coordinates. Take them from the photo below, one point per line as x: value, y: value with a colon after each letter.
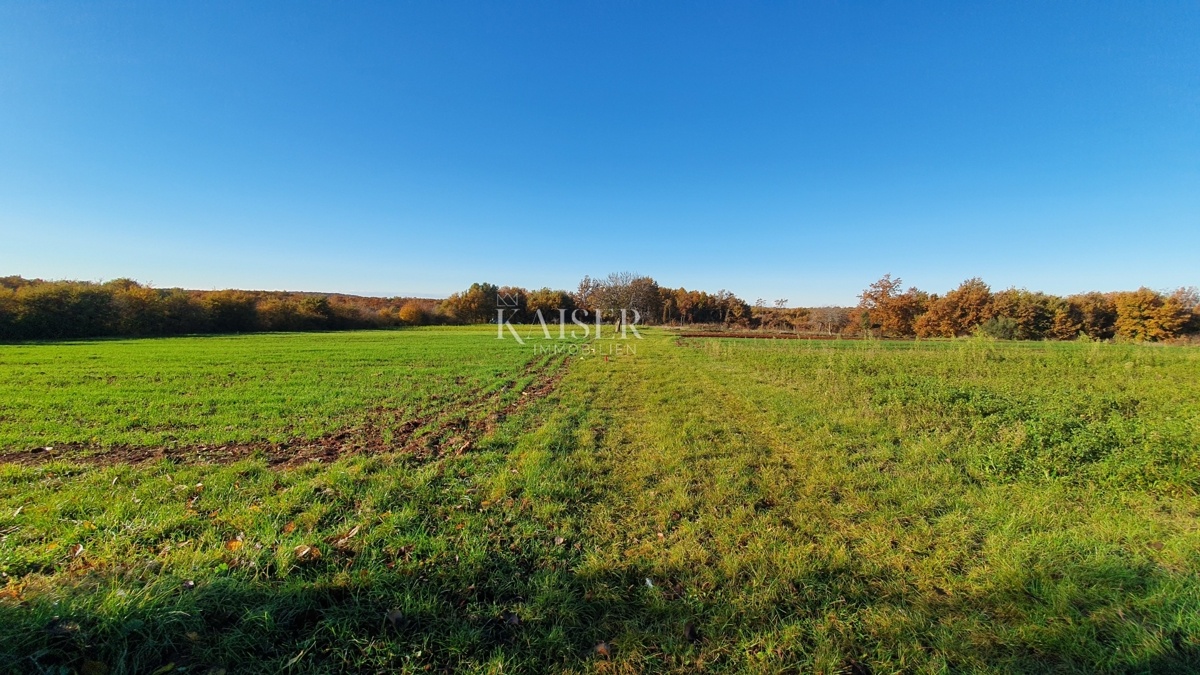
x: 512, y: 616
x: 552, y: 619
x: 533, y: 607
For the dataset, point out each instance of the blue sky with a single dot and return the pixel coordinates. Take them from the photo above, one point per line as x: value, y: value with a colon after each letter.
x: 777, y: 150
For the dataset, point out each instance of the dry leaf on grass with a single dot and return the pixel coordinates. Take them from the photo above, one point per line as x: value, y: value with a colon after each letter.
x: 306, y: 553
x: 339, y: 541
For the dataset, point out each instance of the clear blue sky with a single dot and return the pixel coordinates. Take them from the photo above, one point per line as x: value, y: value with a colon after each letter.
x: 777, y: 150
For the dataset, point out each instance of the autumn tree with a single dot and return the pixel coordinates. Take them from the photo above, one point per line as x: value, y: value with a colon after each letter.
x: 1095, y: 312
x: 1148, y: 315
x: 1067, y: 323
x: 549, y: 302
x: 623, y: 290
x: 828, y: 320
x: 514, y: 301
x: 958, y: 312
x: 892, y: 311
x: 1189, y: 299
x: 477, y: 304
x: 413, y: 314
x: 138, y: 310
x: 62, y: 310
x: 1033, y: 314
x: 231, y: 311
x: 685, y: 304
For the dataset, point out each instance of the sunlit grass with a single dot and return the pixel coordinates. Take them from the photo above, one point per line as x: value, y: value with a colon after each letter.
x: 241, y: 388
x: 704, y: 505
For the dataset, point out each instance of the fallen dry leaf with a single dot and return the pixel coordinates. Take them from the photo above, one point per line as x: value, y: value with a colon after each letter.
x: 233, y: 545
x: 76, y: 550
x: 289, y: 528
x: 340, y: 541
x: 604, y: 650
x: 306, y: 553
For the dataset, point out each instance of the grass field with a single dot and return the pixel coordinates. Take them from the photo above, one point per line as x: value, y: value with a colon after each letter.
x: 243, y: 389
x: 702, y: 505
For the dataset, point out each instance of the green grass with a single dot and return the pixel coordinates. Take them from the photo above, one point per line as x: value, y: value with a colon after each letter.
x: 807, y: 507
x: 247, y: 388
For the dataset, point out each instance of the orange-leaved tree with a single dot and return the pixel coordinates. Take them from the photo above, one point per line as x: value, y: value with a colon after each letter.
x: 892, y: 311
x: 958, y: 312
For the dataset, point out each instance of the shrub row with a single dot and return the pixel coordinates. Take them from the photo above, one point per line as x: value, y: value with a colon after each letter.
x: 35, y: 309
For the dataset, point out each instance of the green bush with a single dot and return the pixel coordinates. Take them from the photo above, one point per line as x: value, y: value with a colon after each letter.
x: 1001, y: 328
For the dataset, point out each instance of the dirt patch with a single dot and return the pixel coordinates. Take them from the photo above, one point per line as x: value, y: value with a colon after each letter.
x: 454, y: 430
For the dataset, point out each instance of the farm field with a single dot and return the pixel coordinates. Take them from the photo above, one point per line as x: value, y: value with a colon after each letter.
x: 701, y: 505
x: 84, y: 397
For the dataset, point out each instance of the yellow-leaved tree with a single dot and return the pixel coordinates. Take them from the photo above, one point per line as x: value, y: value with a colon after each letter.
x: 1147, y: 315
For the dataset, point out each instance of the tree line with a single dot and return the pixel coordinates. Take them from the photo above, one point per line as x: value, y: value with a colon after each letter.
x: 654, y: 304
x: 887, y: 309
x: 34, y: 309
x: 37, y: 309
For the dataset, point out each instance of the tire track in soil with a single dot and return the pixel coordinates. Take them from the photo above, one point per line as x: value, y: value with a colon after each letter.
x: 453, y: 430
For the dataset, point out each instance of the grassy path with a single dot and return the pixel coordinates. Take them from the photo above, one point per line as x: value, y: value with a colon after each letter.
x: 710, y: 506
x: 783, y: 504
